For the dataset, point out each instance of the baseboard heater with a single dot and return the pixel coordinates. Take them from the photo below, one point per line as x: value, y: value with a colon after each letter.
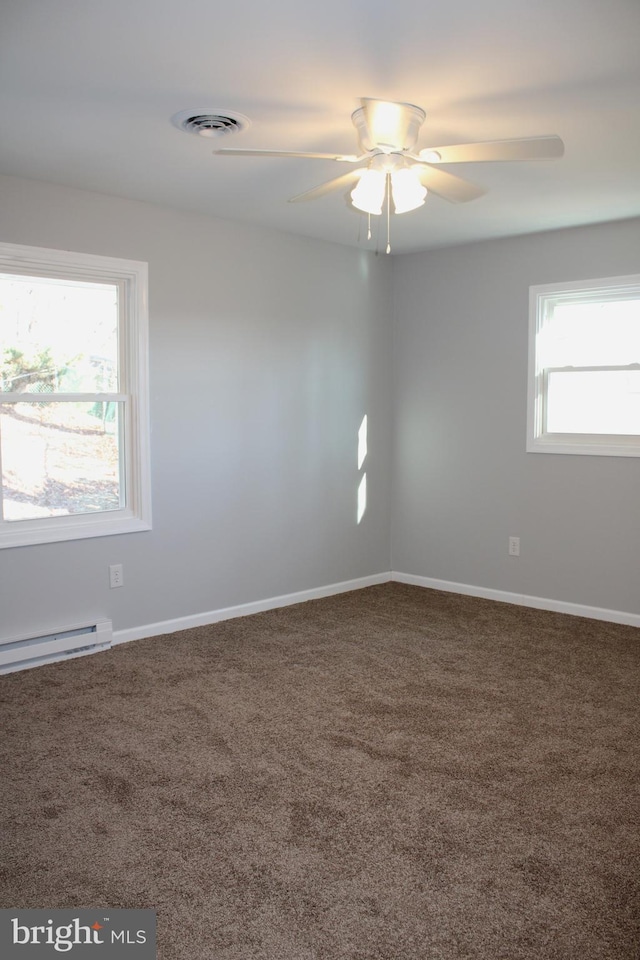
x: 21, y: 653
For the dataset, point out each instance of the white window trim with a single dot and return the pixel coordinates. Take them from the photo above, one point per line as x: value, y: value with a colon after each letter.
x: 132, y: 277
x: 605, y: 445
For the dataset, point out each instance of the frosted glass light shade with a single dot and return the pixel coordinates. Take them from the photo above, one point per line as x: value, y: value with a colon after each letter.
x: 407, y: 191
x: 368, y: 194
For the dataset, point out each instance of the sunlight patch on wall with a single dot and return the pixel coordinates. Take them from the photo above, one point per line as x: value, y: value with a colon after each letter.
x: 362, y: 442
x: 362, y: 454
x: 362, y: 497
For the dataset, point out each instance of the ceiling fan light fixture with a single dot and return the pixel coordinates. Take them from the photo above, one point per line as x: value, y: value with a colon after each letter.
x: 368, y: 194
x: 407, y: 191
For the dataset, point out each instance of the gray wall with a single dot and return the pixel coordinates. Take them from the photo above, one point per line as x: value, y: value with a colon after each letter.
x: 463, y: 482
x: 266, y: 350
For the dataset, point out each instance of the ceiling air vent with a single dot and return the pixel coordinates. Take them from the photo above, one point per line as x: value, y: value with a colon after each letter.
x: 210, y: 123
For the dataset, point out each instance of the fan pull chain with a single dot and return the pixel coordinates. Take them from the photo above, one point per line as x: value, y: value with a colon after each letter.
x: 388, y: 213
x: 368, y: 226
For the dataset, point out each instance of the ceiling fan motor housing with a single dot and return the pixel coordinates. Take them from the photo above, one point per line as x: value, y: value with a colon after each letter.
x: 385, y: 126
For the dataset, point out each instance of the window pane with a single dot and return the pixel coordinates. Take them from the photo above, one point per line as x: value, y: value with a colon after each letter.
x: 60, y: 459
x: 591, y: 334
x: 603, y: 402
x: 58, y: 335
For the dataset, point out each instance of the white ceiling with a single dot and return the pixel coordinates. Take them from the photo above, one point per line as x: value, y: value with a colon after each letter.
x: 88, y: 89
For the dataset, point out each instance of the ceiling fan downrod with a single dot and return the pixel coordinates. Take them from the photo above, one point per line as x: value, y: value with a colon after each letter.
x: 388, y: 213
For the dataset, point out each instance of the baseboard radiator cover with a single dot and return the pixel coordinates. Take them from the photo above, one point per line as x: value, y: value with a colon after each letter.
x: 22, y: 653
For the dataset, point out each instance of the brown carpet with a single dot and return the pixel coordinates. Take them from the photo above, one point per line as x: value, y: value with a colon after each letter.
x: 390, y: 774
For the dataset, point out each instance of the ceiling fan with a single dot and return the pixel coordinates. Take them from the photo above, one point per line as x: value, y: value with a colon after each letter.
x: 387, y: 168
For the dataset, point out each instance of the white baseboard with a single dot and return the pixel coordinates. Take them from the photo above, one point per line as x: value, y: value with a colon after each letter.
x: 245, y: 609
x: 271, y: 603
x: 521, y: 599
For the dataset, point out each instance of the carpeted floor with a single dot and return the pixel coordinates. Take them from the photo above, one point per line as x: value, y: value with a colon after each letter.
x: 390, y: 774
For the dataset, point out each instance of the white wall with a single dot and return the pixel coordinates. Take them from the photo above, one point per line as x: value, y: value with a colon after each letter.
x: 266, y: 352
x: 463, y: 482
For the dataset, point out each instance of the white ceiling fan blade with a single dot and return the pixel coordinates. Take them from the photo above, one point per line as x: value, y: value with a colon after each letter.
x: 525, y: 148
x: 328, y: 187
x: 233, y: 152
x: 447, y: 185
x: 382, y: 123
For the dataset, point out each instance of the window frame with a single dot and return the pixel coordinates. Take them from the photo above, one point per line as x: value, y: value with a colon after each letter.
x: 541, y: 297
x: 131, y: 276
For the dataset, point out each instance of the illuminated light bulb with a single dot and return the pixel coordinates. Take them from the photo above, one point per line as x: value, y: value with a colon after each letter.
x: 368, y: 194
x: 407, y: 191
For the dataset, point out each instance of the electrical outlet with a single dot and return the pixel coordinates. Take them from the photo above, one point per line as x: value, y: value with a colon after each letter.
x: 116, y: 575
x: 514, y: 546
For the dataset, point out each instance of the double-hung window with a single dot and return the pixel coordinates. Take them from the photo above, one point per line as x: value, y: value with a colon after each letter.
x: 74, y: 446
x: 584, y: 367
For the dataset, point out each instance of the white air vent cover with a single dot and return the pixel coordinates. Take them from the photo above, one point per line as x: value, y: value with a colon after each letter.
x: 209, y: 122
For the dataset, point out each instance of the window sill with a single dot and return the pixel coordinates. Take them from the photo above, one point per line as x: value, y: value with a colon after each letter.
x: 585, y: 445
x: 24, y: 533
